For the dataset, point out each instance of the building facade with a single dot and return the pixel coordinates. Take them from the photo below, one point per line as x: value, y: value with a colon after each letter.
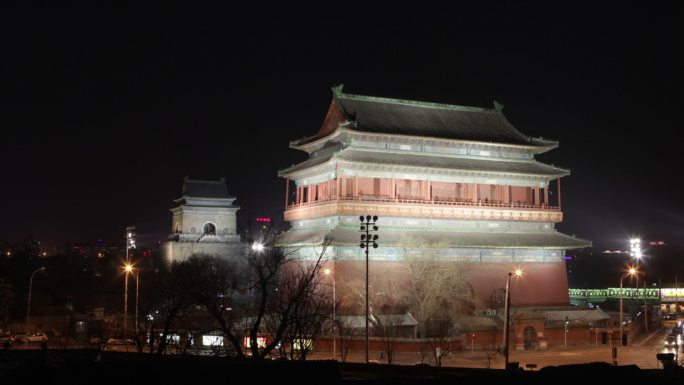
x: 203, y: 221
x: 450, y: 182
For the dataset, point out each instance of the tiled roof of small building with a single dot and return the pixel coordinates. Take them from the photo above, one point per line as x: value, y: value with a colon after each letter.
x: 205, y: 189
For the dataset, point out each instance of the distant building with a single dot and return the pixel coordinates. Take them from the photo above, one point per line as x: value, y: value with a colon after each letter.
x: 457, y: 183
x: 259, y: 229
x: 203, y: 221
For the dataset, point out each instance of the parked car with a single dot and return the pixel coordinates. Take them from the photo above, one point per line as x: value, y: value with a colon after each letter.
x: 122, y: 344
x: 35, y: 337
x: 120, y: 341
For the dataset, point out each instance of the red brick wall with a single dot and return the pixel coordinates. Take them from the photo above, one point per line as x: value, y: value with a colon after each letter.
x: 542, y: 284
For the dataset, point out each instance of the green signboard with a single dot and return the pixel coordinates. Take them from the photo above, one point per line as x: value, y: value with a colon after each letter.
x: 614, y: 293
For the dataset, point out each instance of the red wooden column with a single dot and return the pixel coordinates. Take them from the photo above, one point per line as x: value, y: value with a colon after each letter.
x: 355, y: 188
x: 559, y: 194
x: 393, y: 188
x: 328, y: 194
x: 546, y: 195
x: 428, y: 191
x: 338, y: 191
x: 536, y: 196
x: 287, y: 190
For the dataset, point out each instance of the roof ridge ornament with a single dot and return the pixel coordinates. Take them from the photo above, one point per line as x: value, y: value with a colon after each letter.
x: 498, y: 106
x: 337, y: 90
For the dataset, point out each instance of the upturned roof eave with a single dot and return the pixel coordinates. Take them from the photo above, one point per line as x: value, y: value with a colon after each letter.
x: 306, y: 143
x: 562, y: 172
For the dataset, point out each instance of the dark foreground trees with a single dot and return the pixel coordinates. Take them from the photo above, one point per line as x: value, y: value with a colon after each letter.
x: 260, y: 301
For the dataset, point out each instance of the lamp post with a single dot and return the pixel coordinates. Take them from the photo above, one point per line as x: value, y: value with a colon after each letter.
x: 28, y: 307
x: 635, y: 252
x: 129, y: 269
x: 507, y: 310
x: 130, y: 244
x: 329, y: 272
x: 366, y: 241
x: 632, y: 271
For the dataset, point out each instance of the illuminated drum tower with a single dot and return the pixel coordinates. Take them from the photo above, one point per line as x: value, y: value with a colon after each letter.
x: 460, y: 179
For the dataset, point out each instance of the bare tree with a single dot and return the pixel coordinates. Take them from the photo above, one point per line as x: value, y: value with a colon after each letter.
x: 385, y: 326
x: 347, y: 335
x: 310, y: 316
x: 254, y: 295
x: 169, y: 303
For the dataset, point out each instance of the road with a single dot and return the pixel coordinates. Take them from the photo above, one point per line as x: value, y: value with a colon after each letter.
x: 642, y: 354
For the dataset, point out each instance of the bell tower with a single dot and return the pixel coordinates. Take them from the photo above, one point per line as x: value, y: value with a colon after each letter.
x: 203, y: 221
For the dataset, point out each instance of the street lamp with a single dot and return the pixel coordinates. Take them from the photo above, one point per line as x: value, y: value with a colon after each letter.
x: 368, y: 224
x: 632, y: 271
x: 129, y: 269
x: 329, y: 272
x: 636, y: 253
x: 28, y: 307
x: 257, y: 246
x: 130, y: 244
x: 507, y: 310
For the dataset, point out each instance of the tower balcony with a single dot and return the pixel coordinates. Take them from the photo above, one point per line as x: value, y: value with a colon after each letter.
x: 423, y: 208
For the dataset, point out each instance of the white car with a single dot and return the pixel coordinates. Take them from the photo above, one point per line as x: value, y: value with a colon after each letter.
x: 36, y: 337
x: 120, y: 344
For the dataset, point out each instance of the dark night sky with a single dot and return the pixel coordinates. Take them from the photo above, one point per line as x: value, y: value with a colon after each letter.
x: 106, y: 108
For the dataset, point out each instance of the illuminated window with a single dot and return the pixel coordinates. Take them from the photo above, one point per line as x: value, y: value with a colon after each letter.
x: 302, y: 344
x: 261, y: 342
x: 212, y: 340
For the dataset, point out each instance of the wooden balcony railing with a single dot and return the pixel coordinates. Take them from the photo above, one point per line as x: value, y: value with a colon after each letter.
x: 440, y: 202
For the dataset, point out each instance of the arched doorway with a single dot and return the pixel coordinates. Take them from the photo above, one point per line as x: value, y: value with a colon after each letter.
x: 530, y: 338
x: 209, y: 229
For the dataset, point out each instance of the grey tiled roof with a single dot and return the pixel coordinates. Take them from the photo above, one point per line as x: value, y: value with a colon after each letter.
x: 397, y: 319
x: 469, y: 164
x: 576, y: 315
x: 414, y: 118
x: 530, y: 167
x: 305, y: 164
x: 206, y: 189
x: 342, y: 236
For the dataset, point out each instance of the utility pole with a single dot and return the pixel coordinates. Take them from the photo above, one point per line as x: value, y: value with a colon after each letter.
x: 645, y: 309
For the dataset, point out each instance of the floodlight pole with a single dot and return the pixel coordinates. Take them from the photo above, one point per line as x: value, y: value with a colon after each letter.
x: 366, y: 242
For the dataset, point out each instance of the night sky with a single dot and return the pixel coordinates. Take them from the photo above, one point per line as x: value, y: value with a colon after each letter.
x: 106, y: 108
